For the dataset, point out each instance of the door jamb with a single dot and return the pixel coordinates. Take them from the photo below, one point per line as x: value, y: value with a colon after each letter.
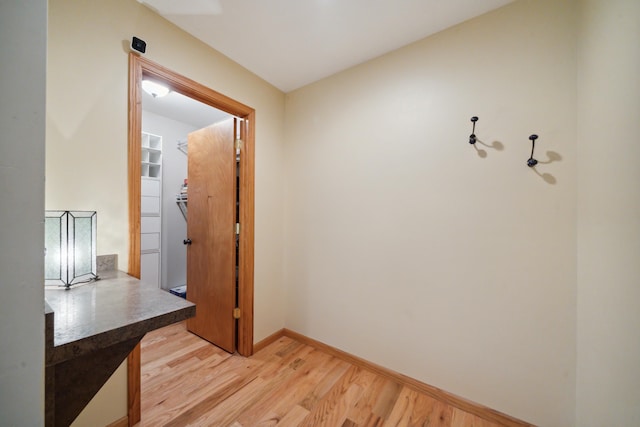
x: 139, y: 67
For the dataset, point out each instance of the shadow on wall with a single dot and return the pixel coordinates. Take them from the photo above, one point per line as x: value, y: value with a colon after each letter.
x: 495, y: 145
x: 552, y: 156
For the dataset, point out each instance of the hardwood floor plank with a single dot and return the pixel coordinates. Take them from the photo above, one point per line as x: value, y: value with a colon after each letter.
x: 267, y: 409
x: 196, y: 402
x: 155, y: 375
x: 387, y: 399
x: 173, y: 351
x: 323, y: 386
x: 288, y: 363
x: 330, y: 408
x: 203, y: 388
x: 292, y: 346
x: 187, y: 376
x: 227, y: 411
x: 165, y: 340
x: 362, y: 411
x: 268, y: 381
x: 188, y: 382
x: 428, y: 411
x: 294, y: 417
x: 179, y: 407
x: 373, y: 421
x: 402, y: 408
x: 296, y: 392
x: 223, y: 407
x: 414, y: 409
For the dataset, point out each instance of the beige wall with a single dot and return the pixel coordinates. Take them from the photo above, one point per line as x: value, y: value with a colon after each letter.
x: 608, y: 374
x: 23, y: 48
x: 404, y: 244
x: 109, y: 405
x: 86, y: 164
x: 407, y: 247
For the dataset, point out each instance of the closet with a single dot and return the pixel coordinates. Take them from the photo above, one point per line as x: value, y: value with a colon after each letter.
x: 166, y: 124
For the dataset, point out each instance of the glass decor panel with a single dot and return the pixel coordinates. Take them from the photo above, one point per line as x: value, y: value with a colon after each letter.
x: 70, y: 252
x: 53, y: 247
x: 82, y: 248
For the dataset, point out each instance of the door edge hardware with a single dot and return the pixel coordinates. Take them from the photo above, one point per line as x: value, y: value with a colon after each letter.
x: 236, y: 313
x: 187, y: 241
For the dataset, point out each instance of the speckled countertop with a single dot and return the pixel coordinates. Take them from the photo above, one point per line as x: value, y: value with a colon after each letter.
x: 116, y: 308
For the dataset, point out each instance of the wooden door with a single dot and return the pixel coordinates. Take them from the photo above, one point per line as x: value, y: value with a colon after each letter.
x: 211, y: 223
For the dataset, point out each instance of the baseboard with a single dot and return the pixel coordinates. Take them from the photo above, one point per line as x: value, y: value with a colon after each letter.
x: 122, y: 422
x: 268, y: 340
x: 438, y: 394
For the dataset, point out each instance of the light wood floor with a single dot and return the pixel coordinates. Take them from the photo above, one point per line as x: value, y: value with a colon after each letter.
x: 187, y: 381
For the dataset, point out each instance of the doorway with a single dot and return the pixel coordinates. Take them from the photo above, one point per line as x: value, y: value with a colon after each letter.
x: 167, y: 121
x: 138, y: 68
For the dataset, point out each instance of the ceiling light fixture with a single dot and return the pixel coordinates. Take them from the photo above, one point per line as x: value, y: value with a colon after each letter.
x: 154, y: 89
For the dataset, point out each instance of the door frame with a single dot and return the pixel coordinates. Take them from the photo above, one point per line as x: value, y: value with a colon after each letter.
x: 139, y: 67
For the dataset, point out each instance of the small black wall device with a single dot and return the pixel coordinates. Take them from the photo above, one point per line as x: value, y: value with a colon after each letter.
x: 138, y: 44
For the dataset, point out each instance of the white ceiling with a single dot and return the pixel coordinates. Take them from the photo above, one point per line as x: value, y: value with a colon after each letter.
x: 183, y: 109
x: 291, y: 43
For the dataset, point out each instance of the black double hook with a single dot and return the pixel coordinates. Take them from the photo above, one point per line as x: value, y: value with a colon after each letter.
x: 472, y: 137
x: 532, y: 162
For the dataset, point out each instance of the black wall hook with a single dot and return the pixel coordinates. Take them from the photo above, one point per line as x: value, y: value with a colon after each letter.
x: 472, y: 137
x: 532, y: 162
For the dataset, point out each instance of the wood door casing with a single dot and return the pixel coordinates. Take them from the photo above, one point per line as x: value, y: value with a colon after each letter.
x: 211, y: 227
x: 138, y: 67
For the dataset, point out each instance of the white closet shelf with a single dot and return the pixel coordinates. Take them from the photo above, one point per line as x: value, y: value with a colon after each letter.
x: 181, y: 201
x: 151, y: 209
x: 182, y: 146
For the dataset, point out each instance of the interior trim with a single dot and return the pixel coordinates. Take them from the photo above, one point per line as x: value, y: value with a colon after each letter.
x: 139, y: 67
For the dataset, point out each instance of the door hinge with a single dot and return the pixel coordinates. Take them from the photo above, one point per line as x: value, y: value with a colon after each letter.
x: 238, y: 145
x: 236, y: 313
x: 237, y: 228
